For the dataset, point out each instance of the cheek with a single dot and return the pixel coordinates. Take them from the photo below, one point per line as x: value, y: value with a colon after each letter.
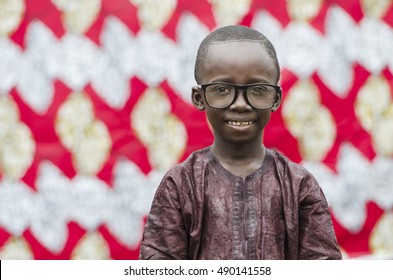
x: 264, y: 119
x: 209, y: 125
x: 211, y: 119
x: 215, y: 122
x: 213, y: 115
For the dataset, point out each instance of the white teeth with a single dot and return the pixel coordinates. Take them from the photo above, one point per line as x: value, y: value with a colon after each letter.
x: 239, y: 123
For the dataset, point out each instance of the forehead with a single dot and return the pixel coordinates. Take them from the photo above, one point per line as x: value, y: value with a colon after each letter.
x: 238, y: 62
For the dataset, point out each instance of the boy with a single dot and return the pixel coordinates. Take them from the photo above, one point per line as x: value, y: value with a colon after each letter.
x: 238, y: 199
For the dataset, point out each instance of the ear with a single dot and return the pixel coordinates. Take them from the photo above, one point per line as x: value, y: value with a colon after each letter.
x: 197, y: 98
x: 278, y: 101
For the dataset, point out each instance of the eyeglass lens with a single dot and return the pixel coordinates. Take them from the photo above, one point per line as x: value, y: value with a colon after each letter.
x: 222, y: 95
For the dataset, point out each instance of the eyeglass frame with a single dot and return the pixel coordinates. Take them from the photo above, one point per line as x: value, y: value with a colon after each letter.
x: 244, y: 88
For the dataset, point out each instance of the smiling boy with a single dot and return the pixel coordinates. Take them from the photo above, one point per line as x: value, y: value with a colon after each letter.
x: 237, y: 199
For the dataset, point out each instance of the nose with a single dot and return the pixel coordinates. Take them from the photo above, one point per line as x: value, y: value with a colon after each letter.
x: 240, y: 103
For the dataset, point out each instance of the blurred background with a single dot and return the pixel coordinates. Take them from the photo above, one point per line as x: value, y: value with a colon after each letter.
x: 95, y: 108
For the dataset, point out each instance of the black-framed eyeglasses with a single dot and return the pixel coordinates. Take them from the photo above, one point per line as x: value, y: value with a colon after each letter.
x: 259, y: 96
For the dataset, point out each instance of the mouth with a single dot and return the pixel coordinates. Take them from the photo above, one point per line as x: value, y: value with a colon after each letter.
x: 240, y: 123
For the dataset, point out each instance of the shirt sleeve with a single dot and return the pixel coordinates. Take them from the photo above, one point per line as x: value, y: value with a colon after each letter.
x: 317, y: 239
x: 164, y: 236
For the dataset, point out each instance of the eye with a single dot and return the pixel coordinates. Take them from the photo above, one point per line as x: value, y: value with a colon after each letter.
x: 259, y: 90
x: 222, y: 89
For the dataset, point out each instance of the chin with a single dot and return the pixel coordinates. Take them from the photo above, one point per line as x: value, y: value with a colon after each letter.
x: 242, y: 140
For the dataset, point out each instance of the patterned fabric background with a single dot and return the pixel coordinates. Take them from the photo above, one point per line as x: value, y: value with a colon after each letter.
x: 95, y: 107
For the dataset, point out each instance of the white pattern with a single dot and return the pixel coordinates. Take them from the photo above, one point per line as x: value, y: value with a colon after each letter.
x: 190, y: 33
x: 16, y: 203
x: 335, y: 65
x: 156, y: 57
x: 36, y: 72
x: 153, y: 57
x: 268, y: 25
x: 86, y: 200
x: 51, y: 212
x: 117, y: 63
x: 77, y: 58
x: 89, y: 197
x: 118, y: 42
x: 357, y: 182
x: 131, y: 197
x: 341, y: 30
x: 302, y: 50
x: 10, y: 57
x: 375, y: 41
x: 297, y: 45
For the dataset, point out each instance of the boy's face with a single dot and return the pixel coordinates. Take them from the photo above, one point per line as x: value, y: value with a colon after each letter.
x: 238, y: 63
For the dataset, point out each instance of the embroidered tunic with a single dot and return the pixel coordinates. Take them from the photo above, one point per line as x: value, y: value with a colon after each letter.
x: 202, y: 211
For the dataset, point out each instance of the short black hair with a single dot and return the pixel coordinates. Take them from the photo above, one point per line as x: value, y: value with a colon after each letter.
x: 234, y: 33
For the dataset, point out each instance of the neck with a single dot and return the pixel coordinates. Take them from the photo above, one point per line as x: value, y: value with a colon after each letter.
x: 230, y: 152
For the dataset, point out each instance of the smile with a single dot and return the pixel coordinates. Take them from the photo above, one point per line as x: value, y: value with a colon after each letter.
x: 240, y: 123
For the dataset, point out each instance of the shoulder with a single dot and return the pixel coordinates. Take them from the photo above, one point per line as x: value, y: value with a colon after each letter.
x: 286, y: 165
x: 191, y: 168
x: 293, y: 174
